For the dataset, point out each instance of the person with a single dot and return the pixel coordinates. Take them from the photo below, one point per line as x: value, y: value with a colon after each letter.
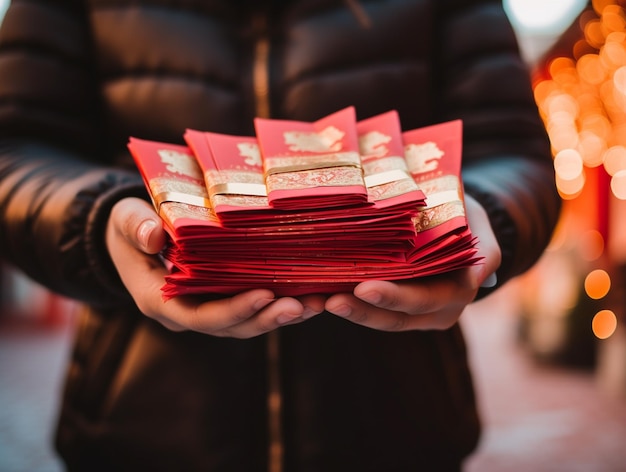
x: 375, y: 380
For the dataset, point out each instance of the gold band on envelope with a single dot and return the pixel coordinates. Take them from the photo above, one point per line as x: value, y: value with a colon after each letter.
x: 238, y: 188
x: 386, y: 177
x: 439, y: 198
x: 304, y: 163
x: 179, y: 197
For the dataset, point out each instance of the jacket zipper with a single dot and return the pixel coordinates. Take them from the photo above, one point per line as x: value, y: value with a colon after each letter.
x: 260, y: 79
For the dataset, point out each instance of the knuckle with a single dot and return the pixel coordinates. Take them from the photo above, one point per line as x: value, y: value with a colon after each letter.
x: 359, y: 316
x: 193, y: 320
x: 399, y: 323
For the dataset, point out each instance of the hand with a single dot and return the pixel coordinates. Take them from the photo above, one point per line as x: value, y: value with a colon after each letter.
x: 429, y: 303
x: 135, y: 236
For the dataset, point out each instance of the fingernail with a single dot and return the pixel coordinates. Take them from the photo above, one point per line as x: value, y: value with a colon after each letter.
x: 490, y: 281
x: 373, y: 298
x: 144, y: 231
x: 342, y: 310
x: 262, y: 303
x: 284, y: 318
x: 308, y: 313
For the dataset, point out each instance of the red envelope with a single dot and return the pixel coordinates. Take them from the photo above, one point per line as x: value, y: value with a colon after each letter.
x: 385, y: 171
x: 312, y: 164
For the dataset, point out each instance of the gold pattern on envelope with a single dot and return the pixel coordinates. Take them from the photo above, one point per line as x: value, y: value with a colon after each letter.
x: 373, y: 145
x: 327, y: 177
x: 327, y: 140
x: 294, y: 163
x: 448, y: 184
x: 444, y: 202
x: 180, y: 163
x: 432, y: 217
x: 236, y: 188
x: 175, y: 210
x: 387, y: 177
x: 165, y: 189
x: 422, y: 158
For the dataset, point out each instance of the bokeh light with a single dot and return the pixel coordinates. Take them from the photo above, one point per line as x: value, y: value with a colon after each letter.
x: 615, y: 159
x: 618, y: 184
x: 597, y: 284
x: 604, y: 324
x: 568, y: 164
x: 583, y: 103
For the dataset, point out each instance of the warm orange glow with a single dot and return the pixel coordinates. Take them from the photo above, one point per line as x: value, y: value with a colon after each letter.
x: 583, y: 105
x: 589, y: 102
x: 560, y: 64
x: 542, y: 91
x: 563, y: 137
x: 562, y: 103
x: 590, y: 69
x: 619, y: 80
x: 592, y: 148
x: 591, y: 245
x: 600, y: 5
x: 612, y: 19
x: 615, y: 159
x: 598, y: 124
x: 569, y: 189
x: 597, y: 284
x: 618, y: 185
x: 593, y: 33
x: 568, y: 164
x: 613, y: 54
x: 604, y: 324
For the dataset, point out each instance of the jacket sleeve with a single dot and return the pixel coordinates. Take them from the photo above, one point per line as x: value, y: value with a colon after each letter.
x: 507, y: 164
x: 56, y: 183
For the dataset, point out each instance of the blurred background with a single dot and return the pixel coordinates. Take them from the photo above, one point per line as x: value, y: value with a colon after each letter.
x: 548, y: 350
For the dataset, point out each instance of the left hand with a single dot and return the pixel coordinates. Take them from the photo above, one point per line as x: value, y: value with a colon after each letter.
x: 422, y: 304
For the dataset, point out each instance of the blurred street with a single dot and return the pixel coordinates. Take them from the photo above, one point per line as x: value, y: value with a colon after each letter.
x: 537, y: 418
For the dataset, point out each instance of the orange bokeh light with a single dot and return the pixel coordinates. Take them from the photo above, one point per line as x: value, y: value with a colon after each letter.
x: 590, y: 69
x: 615, y: 159
x: 592, y: 148
x: 604, y: 324
x: 594, y: 34
x: 618, y: 185
x: 568, y: 164
x: 597, y: 284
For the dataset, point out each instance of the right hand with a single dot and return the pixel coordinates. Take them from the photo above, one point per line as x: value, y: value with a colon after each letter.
x: 135, y: 236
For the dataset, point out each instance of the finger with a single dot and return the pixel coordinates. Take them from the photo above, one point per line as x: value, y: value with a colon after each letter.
x: 243, y: 316
x: 364, y: 314
x: 137, y: 221
x: 426, y: 296
x: 484, y: 274
x: 359, y: 312
x: 143, y: 274
x: 313, y: 305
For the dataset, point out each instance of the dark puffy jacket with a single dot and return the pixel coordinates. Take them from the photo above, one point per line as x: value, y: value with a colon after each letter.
x: 77, y: 78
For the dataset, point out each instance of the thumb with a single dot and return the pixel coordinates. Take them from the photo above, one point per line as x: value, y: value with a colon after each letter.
x: 488, y: 247
x: 137, y: 221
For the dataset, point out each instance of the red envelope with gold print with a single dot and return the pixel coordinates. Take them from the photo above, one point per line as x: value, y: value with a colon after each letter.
x: 433, y: 156
x: 175, y: 183
x: 387, y: 178
x: 312, y: 164
x: 233, y: 172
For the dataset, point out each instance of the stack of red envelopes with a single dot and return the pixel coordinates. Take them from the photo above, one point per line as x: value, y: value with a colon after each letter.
x: 309, y: 207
